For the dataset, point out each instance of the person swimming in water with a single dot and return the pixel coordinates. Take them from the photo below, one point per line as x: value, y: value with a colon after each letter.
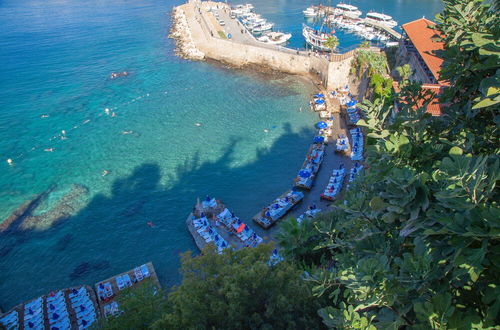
x: 127, y: 132
x: 49, y: 149
x: 104, y: 173
x: 44, y: 116
x: 10, y: 162
x: 197, y: 124
x: 106, y: 111
x: 150, y: 224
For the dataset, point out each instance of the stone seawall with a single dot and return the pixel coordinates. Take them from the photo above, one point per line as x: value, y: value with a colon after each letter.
x: 195, y: 37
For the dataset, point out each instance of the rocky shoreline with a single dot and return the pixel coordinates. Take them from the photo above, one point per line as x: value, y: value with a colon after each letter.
x: 180, y: 32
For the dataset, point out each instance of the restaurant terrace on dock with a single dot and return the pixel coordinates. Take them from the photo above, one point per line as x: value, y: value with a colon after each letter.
x: 211, y: 222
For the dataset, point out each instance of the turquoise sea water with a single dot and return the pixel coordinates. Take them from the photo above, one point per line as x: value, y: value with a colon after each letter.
x: 55, y: 60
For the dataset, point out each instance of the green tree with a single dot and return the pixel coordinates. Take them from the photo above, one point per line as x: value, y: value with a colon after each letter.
x: 365, y: 44
x: 299, y: 239
x: 239, y: 289
x: 141, y: 306
x: 404, y: 72
x: 331, y: 43
x: 471, y: 31
x: 415, y: 244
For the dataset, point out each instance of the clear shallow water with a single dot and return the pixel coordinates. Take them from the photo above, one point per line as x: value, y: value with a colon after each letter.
x: 55, y: 59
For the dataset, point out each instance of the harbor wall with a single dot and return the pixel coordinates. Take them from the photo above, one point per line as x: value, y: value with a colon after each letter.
x: 331, y: 72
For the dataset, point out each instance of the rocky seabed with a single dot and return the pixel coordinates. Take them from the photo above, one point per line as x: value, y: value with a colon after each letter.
x: 181, y: 33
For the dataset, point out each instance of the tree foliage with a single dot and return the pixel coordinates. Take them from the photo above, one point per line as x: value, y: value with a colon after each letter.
x: 240, y: 290
x: 415, y: 243
x: 332, y: 42
x: 141, y: 306
x: 370, y: 62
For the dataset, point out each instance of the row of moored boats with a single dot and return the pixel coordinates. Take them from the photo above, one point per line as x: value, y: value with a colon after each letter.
x: 348, y: 18
x: 260, y: 27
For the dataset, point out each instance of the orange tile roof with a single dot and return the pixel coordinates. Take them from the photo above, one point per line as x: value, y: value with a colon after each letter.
x: 424, y: 40
x: 433, y: 107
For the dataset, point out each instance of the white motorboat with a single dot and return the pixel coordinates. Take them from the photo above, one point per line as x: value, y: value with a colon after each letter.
x: 347, y: 10
x: 315, y: 38
x: 275, y: 38
x: 311, y: 12
x: 381, y: 19
x: 242, y: 9
x: 262, y: 27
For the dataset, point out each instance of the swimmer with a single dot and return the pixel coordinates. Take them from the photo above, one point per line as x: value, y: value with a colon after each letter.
x: 266, y: 131
x: 197, y: 124
x: 49, y: 149
x: 113, y: 114
x: 44, y: 116
x: 150, y: 224
x: 86, y: 121
x: 113, y: 75
x: 106, y: 111
x: 10, y: 162
x: 127, y: 132
x: 104, y: 173
x: 63, y: 135
x: 125, y: 73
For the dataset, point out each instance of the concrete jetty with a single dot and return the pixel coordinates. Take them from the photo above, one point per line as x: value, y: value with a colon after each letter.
x: 197, y: 32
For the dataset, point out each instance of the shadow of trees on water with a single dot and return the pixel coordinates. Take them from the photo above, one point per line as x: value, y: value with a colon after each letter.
x: 111, y: 234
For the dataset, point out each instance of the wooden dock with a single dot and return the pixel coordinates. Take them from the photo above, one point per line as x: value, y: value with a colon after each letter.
x: 228, y: 234
x: 266, y: 224
x: 45, y: 310
x: 115, y: 290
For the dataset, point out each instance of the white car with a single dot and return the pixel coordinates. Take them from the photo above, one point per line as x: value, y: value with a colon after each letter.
x: 222, y: 23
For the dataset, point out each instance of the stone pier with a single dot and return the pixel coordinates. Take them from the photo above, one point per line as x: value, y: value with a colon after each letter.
x: 201, y: 31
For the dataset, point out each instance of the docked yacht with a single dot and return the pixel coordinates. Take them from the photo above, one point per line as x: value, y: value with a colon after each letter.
x: 261, y: 27
x: 315, y: 38
x: 381, y: 19
x: 275, y: 38
x: 242, y: 9
x: 348, y: 11
x: 311, y: 12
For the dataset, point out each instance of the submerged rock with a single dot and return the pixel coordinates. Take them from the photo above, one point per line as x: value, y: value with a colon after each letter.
x: 58, y: 205
x: 63, y: 242
x: 80, y: 270
x: 87, y: 267
x: 18, y: 216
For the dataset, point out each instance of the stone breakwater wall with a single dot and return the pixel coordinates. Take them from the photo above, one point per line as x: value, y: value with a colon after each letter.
x: 193, y: 36
x: 181, y: 33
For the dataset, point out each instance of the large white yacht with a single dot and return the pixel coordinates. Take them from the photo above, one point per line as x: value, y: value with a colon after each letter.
x: 347, y: 11
x: 311, y: 12
x: 315, y: 38
x: 381, y: 19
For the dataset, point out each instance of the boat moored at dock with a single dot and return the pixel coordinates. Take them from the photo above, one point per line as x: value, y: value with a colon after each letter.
x: 316, y: 38
x: 275, y: 38
x: 312, y: 11
x: 346, y: 10
x: 381, y: 19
